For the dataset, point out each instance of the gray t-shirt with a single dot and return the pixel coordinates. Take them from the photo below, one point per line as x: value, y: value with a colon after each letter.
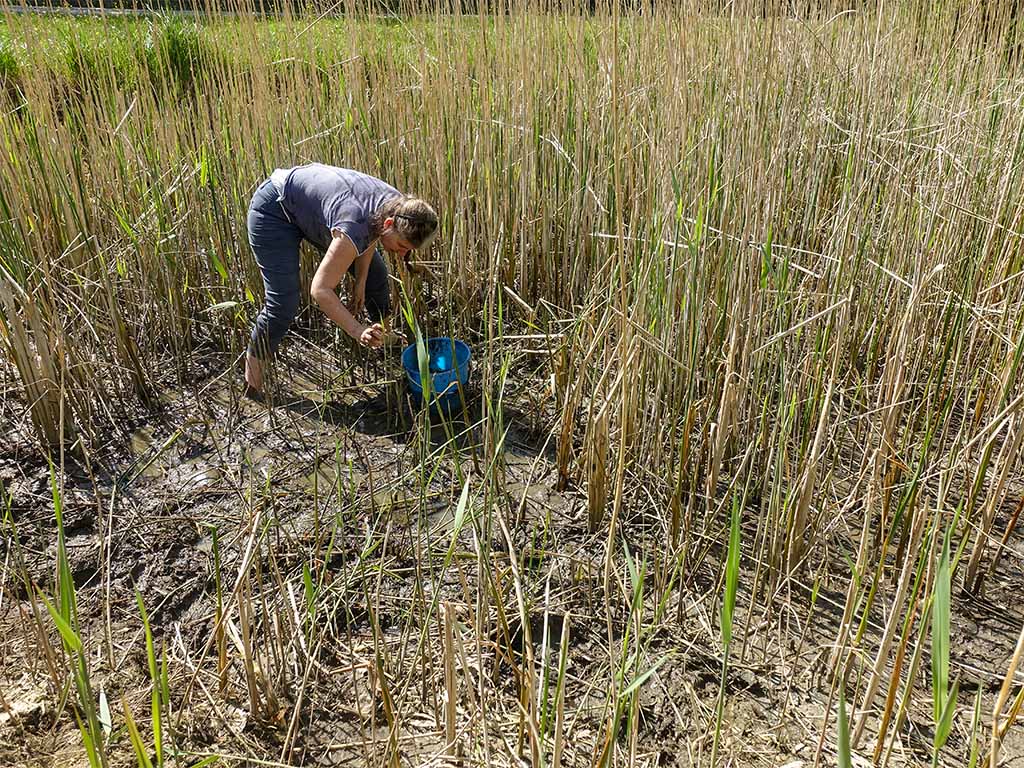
x: 320, y: 198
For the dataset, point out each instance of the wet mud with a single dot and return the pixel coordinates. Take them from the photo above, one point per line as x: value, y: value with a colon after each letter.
x: 336, y: 484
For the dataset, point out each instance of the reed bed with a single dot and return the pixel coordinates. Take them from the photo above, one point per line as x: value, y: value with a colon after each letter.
x: 754, y: 281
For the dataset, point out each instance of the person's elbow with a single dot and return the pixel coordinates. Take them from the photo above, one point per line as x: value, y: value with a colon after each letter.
x: 320, y: 294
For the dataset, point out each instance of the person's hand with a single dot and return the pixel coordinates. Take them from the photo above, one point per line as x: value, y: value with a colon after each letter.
x: 372, y: 336
x: 358, y: 298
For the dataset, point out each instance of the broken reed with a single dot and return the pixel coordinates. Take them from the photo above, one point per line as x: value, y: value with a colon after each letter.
x: 793, y: 241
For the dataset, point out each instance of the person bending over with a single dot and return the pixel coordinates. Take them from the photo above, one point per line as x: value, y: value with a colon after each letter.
x: 346, y: 214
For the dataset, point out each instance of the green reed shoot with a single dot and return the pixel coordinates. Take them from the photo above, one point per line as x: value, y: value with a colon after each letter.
x: 943, y: 698
x: 138, y: 745
x: 65, y: 618
x: 159, y: 695
x: 732, y: 572
x: 976, y: 732
x: 844, y: 753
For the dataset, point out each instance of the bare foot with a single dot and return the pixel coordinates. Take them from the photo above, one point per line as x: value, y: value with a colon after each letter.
x: 253, y: 375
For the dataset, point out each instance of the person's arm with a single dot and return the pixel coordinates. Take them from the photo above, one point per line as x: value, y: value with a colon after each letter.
x: 362, y: 271
x: 340, y: 255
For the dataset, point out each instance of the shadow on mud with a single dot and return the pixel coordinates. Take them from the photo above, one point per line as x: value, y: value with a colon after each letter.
x: 390, y: 414
x: 371, y: 416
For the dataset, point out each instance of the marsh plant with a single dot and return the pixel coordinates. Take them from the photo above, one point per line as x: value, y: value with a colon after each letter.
x: 757, y: 274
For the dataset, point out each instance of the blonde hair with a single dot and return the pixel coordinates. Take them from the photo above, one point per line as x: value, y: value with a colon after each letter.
x: 413, y: 219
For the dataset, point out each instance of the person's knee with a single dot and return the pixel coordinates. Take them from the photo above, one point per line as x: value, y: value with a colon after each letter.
x: 281, y: 309
x: 273, y: 322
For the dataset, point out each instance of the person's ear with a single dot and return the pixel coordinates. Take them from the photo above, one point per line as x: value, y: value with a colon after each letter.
x: 389, y: 223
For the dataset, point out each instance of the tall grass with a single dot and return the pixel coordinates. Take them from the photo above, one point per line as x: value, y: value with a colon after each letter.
x: 759, y: 249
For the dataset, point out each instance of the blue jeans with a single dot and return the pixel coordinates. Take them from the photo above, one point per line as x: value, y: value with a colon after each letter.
x: 275, y: 244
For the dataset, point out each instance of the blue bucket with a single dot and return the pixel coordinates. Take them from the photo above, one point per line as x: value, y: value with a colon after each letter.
x: 449, y: 367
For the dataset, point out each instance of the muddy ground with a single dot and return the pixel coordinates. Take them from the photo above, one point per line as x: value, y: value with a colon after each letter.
x: 331, y: 481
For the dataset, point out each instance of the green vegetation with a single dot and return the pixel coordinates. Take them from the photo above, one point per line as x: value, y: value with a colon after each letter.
x: 746, y: 300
